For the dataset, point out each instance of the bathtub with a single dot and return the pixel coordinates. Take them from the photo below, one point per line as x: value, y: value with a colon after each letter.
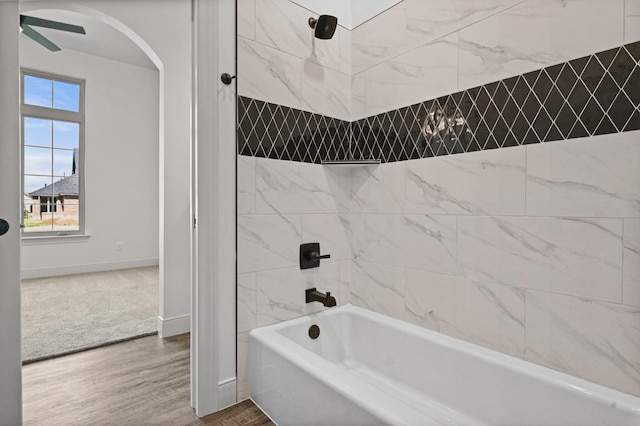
x: 370, y: 369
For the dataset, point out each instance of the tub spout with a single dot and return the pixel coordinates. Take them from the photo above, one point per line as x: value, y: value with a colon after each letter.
x: 313, y: 295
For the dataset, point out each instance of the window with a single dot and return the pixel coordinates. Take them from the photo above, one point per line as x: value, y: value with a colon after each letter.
x: 52, y: 152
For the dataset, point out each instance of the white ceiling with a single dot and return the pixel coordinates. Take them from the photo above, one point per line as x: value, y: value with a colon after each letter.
x: 101, y: 38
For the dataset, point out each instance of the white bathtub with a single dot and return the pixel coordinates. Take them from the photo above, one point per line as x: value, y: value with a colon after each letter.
x: 369, y: 369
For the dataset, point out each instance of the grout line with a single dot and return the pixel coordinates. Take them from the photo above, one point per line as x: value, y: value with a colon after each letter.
x: 622, y: 262
x: 438, y: 38
x: 526, y: 180
x: 458, y: 64
x: 624, y: 21
x: 524, y: 326
x: 295, y: 56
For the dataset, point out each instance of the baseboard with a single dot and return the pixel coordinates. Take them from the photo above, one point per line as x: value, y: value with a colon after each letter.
x: 226, y: 397
x: 227, y: 393
x: 83, y: 269
x: 168, y: 327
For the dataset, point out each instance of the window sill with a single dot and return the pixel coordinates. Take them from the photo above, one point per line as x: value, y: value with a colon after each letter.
x: 55, y: 239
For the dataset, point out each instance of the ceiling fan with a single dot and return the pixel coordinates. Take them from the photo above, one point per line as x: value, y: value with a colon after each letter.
x: 26, y: 22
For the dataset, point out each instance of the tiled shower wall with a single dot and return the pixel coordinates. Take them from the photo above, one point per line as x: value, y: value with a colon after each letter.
x: 530, y: 250
x: 284, y: 203
x: 279, y: 61
x: 592, y: 95
x: 424, y: 49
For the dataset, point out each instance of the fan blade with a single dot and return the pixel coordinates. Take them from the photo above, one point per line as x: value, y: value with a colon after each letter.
x: 38, y: 38
x: 54, y: 25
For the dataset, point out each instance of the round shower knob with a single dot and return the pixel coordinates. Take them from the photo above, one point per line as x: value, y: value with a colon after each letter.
x: 227, y: 78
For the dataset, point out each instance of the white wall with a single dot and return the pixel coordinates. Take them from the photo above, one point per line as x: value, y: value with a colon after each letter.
x: 121, y: 165
x: 148, y: 22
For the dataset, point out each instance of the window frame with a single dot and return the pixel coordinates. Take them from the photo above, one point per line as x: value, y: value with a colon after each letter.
x: 45, y: 113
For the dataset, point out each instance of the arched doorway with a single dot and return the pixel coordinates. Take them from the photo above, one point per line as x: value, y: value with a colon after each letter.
x: 219, y: 15
x: 106, y: 165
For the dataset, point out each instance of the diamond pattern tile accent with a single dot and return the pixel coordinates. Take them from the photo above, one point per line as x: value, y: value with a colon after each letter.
x: 593, y: 95
x: 276, y: 131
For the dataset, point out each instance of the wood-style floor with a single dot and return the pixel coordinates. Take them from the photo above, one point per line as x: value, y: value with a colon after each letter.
x: 140, y: 382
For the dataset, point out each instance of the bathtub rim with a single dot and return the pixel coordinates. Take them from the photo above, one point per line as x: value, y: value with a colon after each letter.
x: 289, y: 349
x: 338, y: 382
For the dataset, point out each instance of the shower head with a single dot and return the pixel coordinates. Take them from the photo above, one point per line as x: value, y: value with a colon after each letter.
x: 325, y: 26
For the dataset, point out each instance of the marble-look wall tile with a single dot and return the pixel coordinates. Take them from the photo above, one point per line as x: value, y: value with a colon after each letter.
x: 281, y: 296
x: 488, y: 182
x: 345, y: 50
x: 269, y: 74
x: 246, y: 184
x: 580, y: 257
x: 535, y: 34
x: 268, y: 241
x: 376, y: 238
x: 283, y: 25
x: 414, y: 241
x: 429, y: 243
x: 344, y: 278
x: 294, y: 187
x: 242, y: 367
x: 358, y: 97
x: 491, y: 315
x: 428, y: 20
x: 378, y: 287
x: 631, y: 21
x: 594, y: 340
x: 631, y: 263
x: 340, y: 180
x: 246, y: 294
x: 246, y: 18
x: 331, y: 231
x: 427, y: 72
x: 592, y: 177
x: 378, y: 189
x: 325, y: 91
x: 379, y: 39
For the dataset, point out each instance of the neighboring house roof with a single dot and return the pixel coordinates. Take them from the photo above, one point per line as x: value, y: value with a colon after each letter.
x: 65, y: 186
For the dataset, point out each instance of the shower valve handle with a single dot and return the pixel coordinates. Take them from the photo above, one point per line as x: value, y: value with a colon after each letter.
x: 310, y: 255
x: 313, y: 255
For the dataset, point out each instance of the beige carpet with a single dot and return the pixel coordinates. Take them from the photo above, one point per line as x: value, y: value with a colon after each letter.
x: 67, y: 314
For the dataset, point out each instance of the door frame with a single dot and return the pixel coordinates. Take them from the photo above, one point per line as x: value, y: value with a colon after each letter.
x: 10, y: 210
x: 213, y: 295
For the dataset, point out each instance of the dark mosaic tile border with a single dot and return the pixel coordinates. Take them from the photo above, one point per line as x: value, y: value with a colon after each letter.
x: 593, y: 95
x: 275, y: 131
